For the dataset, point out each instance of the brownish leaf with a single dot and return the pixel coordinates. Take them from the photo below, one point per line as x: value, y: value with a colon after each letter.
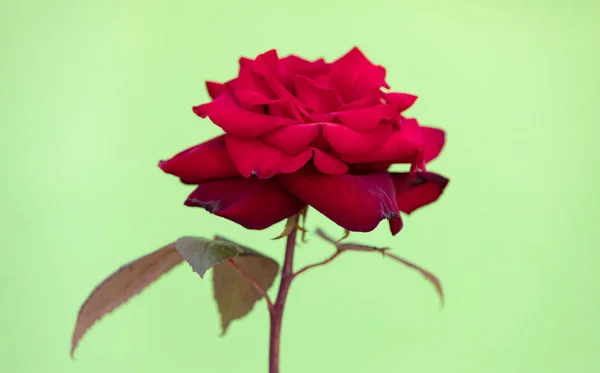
x: 123, y: 284
x: 235, y: 283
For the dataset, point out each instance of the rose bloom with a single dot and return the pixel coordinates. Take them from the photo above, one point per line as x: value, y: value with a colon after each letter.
x: 313, y: 133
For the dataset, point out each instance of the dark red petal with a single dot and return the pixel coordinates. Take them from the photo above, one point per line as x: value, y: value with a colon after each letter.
x: 328, y: 164
x: 202, y: 162
x: 225, y: 113
x: 365, y: 168
x: 255, y: 157
x: 417, y: 190
x: 401, y: 145
x: 316, y: 97
x: 395, y: 225
x: 434, y: 142
x: 368, y: 118
x: 215, y: 89
x: 355, y: 202
x: 347, y: 141
x: 402, y: 100
x: 252, y: 203
x: 292, y: 139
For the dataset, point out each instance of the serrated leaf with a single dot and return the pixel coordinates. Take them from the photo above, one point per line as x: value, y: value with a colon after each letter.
x: 120, y: 286
x: 203, y: 254
x: 234, y: 293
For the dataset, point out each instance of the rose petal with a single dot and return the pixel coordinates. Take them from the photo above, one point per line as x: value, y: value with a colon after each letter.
x: 417, y: 190
x: 267, y: 63
x: 328, y: 164
x: 396, y: 225
x: 402, y: 145
x: 202, y: 162
x: 292, y: 139
x: 225, y: 113
x: 318, y: 98
x: 365, y: 168
x: 249, y: 80
x: 255, y: 157
x: 368, y: 118
x: 364, y: 102
x: 258, y: 103
x: 295, y: 65
x: 215, y: 89
x: 245, y: 63
x: 320, y: 117
x: 402, y: 100
x: 284, y: 94
x: 355, y: 202
x: 247, y: 99
x: 347, y: 141
x: 354, y: 76
x: 252, y: 203
x: 434, y: 142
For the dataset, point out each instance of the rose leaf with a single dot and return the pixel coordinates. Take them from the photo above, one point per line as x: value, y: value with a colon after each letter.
x: 120, y: 286
x: 241, y: 282
x: 203, y: 254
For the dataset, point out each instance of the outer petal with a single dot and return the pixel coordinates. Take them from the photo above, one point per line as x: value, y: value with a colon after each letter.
x: 328, y: 164
x: 215, y: 89
x: 202, y: 162
x: 434, y: 139
x: 252, y: 203
x: 366, y: 168
x: 355, y: 202
x: 367, y: 118
x: 225, y: 113
x: 292, y: 139
x: 402, y: 100
x: 255, y: 157
x: 347, y: 141
x: 402, y: 145
x: 417, y: 190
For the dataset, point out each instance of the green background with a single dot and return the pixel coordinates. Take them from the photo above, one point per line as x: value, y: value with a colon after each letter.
x: 94, y: 93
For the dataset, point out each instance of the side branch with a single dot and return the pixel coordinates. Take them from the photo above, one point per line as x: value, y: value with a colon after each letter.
x: 255, y: 284
x: 331, y: 258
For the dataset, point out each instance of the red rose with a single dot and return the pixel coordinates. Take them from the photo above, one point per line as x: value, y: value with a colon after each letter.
x: 314, y: 133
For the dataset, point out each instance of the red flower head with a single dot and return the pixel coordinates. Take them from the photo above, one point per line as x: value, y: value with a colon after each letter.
x: 301, y: 133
